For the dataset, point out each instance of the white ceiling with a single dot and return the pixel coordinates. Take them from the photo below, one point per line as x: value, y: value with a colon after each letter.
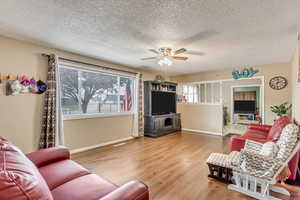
x: 230, y: 33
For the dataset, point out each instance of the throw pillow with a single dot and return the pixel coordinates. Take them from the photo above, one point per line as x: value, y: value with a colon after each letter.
x: 269, y: 149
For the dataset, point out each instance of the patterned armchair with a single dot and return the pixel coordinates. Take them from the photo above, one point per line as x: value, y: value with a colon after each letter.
x: 260, y: 164
x: 263, y: 134
x: 253, y: 161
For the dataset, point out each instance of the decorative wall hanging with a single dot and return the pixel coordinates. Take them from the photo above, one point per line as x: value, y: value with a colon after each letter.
x: 278, y: 83
x: 22, y: 84
x: 244, y: 73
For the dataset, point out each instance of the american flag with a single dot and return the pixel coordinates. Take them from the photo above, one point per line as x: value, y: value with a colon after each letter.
x: 127, y: 100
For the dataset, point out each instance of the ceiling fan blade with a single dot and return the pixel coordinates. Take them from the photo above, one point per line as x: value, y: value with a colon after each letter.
x: 194, y: 38
x: 179, y: 57
x: 179, y: 51
x: 149, y: 58
x: 195, y: 53
x: 154, y: 51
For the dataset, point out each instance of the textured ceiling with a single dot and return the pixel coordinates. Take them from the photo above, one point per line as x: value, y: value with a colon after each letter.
x: 229, y: 33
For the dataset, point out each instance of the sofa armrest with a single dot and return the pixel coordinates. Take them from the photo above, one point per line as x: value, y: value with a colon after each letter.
x: 260, y: 127
x: 293, y: 166
x: 237, y: 143
x: 134, y: 190
x: 46, y: 156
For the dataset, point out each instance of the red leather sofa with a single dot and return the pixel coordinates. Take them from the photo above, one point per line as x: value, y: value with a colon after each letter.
x: 50, y: 174
x: 263, y: 134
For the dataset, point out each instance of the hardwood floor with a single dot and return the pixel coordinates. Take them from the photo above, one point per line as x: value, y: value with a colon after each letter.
x: 173, y: 166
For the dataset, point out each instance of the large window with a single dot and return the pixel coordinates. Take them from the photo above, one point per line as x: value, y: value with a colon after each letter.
x: 87, y: 92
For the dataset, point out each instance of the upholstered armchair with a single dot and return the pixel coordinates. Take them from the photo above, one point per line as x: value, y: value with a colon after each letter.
x: 263, y: 134
x: 259, y: 164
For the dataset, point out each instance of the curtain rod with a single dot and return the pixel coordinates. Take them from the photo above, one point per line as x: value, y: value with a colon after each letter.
x: 85, y: 63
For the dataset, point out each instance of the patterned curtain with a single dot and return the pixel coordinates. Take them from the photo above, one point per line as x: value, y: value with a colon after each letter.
x: 52, y: 123
x: 138, y: 121
x: 140, y: 107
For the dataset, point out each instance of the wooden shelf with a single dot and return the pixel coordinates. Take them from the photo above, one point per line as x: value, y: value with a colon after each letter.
x: 242, y: 118
x: 163, y: 91
x: 247, y: 121
x: 161, y: 86
x: 158, y: 125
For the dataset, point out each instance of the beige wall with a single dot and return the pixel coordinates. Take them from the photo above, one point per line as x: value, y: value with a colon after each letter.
x: 21, y: 115
x: 204, y: 118
x: 272, y: 97
x: 88, y: 132
x: 296, y: 86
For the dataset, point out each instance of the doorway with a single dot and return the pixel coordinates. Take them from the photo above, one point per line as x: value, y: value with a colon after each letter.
x: 246, y: 104
x: 243, y: 104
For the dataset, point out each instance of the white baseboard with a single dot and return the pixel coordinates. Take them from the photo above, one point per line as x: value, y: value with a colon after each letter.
x: 201, y: 131
x: 99, y: 145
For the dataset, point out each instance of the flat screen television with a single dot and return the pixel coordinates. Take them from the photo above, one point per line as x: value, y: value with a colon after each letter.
x: 163, y: 102
x: 245, y: 107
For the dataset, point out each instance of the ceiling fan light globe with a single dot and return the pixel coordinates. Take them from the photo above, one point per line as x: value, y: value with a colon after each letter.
x: 160, y: 62
x: 169, y: 62
x: 165, y: 61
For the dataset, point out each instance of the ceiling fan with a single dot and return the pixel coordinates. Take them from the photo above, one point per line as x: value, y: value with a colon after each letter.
x: 166, y: 55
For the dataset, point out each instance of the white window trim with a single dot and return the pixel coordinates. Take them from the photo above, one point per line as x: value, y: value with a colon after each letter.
x: 88, y: 68
x: 205, y: 93
x: 82, y: 67
x: 95, y: 115
x: 221, y: 81
x: 188, y: 93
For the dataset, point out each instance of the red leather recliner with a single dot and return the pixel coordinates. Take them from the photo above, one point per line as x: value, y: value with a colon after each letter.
x: 50, y: 174
x: 263, y: 134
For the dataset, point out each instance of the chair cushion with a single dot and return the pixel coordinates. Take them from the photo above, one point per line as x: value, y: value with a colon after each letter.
x: 61, y: 172
x: 287, y: 141
x: 89, y: 187
x: 277, y: 128
x: 218, y: 159
x: 19, y: 177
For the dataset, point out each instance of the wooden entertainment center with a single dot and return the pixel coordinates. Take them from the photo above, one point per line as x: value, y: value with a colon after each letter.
x: 160, y: 117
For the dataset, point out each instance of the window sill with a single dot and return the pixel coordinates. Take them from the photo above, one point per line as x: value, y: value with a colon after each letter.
x: 95, y: 115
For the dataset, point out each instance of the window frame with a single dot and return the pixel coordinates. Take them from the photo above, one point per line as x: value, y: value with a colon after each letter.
x: 86, y: 68
x: 194, y: 93
x: 198, y: 85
